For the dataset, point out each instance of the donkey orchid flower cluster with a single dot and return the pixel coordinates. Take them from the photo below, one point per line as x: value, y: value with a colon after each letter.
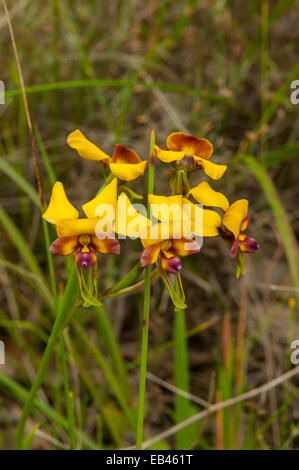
x: 172, y: 228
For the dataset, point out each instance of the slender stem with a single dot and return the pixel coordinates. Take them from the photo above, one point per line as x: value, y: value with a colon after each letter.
x: 143, y: 362
x: 181, y: 368
x: 181, y: 377
x: 59, y: 321
x: 146, y: 313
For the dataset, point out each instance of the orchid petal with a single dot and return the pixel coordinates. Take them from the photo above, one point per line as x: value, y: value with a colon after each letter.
x: 86, y: 148
x: 150, y: 254
x: 179, y: 141
x: 73, y: 227
x: 205, y: 195
x: 64, y: 246
x: 212, y: 170
x: 59, y: 206
x: 106, y: 245
x: 128, y: 171
x: 108, y: 195
x: 235, y: 215
x: 168, y: 156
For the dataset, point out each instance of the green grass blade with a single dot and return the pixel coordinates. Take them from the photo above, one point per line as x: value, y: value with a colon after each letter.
x: 64, y: 305
x: 111, y: 343
x: 282, y: 221
x: 68, y: 401
x: 21, y: 394
x: 18, y: 240
x: 10, y: 171
x: 111, y: 378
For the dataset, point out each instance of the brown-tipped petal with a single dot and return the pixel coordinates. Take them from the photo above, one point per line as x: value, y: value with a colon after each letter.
x: 106, y: 245
x: 150, y: 254
x: 178, y: 141
x: 64, y: 246
x: 248, y: 244
x: 172, y: 265
x: 86, y: 260
x: 185, y: 247
x: 124, y: 154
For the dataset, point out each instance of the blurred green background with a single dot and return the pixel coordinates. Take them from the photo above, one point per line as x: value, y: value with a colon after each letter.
x: 212, y: 68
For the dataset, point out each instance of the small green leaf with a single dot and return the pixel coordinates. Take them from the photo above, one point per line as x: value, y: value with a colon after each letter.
x: 29, y: 438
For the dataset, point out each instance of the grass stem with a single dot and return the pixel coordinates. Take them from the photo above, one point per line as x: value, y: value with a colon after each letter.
x: 145, y: 317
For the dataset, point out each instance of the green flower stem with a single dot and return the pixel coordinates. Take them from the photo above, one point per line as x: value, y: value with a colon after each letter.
x: 181, y: 368
x: 56, y: 331
x: 146, y: 313
x: 181, y: 374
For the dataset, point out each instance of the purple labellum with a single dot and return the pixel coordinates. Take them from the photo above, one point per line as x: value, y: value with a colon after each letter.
x: 249, y: 245
x: 86, y: 260
x: 172, y: 265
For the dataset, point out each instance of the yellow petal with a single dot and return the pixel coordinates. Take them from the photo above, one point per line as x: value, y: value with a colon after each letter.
x: 129, y: 222
x: 204, y: 222
x: 179, y: 141
x: 59, y: 206
x: 86, y: 148
x: 168, y: 156
x: 108, y: 195
x: 213, y: 170
x: 205, y: 195
x: 128, y: 171
x: 71, y: 227
x: 235, y: 216
x: 166, y: 208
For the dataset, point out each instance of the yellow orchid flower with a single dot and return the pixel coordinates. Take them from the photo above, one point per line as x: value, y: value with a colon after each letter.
x: 235, y: 218
x: 190, y: 152
x: 125, y: 164
x: 171, y: 238
x: 81, y: 235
